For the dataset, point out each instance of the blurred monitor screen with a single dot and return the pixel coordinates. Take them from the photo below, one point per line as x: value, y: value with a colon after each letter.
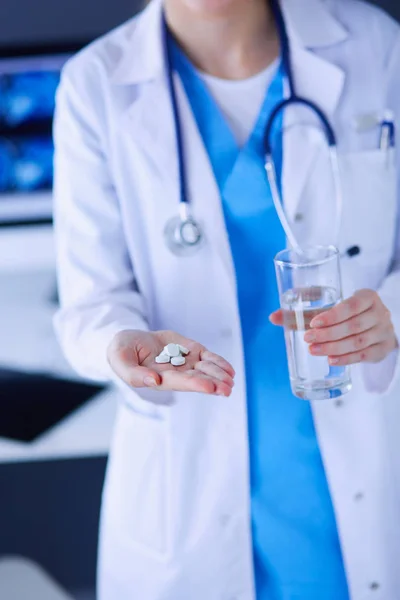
x: 28, y: 86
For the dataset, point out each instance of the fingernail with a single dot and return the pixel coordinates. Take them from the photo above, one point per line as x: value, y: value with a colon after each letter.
x: 316, y: 323
x: 333, y: 361
x: 316, y: 348
x: 150, y: 382
x: 310, y: 337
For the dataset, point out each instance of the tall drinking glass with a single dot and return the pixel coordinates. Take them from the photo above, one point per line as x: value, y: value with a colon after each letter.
x: 310, y: 284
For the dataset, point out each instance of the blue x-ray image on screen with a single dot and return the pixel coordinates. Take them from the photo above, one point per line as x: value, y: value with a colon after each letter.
x: 28, y: 88
x: 27, y: 97
x: 26, y: 164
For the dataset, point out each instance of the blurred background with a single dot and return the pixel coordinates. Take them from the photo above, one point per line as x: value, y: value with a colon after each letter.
x: 54, y: 427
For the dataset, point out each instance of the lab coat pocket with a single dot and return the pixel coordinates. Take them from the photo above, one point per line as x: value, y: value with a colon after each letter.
x: 369, y: 185
x: 136, y: 486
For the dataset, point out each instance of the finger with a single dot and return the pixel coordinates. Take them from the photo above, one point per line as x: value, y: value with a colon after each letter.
x: 179, y: 380
x: 137, y: 377
x: 373, y: 354
x: 357, y: 304
x: 214, y: 371
x: 223, y: 389
x: 194, y: 381
x: 353, y: 326
x: 276, y: 318
x: 354, y: 343
x: 223, y: 364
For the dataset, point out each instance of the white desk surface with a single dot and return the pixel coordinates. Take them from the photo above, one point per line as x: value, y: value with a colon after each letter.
x: 85, y: 433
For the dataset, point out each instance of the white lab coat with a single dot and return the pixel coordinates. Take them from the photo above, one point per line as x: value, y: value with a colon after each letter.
x: 176, y: 522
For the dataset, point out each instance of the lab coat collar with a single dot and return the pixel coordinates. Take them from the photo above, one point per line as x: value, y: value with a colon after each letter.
x: 144, y: 60
x: 311, y: 23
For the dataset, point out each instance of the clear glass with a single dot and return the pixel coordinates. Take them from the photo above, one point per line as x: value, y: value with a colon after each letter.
x: 310, y: 284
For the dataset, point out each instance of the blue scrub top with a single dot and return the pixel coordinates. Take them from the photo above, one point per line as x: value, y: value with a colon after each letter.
x: 297, y: 554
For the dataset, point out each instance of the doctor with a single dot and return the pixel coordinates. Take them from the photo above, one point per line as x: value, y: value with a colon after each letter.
x: 219, y: 491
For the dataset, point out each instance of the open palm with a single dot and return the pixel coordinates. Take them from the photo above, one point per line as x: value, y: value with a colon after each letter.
x: 132, y: 356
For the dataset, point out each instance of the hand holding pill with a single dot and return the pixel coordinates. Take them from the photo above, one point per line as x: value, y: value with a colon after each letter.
x: 165, y: 360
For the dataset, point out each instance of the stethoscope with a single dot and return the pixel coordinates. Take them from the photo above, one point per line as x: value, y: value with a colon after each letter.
x: 183, y: 235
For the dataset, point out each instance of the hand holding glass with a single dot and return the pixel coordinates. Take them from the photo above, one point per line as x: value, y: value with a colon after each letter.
x: 309, y: 284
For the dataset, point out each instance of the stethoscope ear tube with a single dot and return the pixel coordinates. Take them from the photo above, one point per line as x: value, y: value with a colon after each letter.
x: 272, y: 180
x: 277, y: 200
x: 294, y: 100
x: 337, y: 183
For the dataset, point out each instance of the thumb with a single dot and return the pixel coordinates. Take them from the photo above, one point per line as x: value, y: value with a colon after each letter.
x: 139, y: 377
x: 122, y: 355
x: 132, y: 374
x: 276, y: 317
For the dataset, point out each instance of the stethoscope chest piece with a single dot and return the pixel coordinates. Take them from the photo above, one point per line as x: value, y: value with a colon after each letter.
x: 183, y: 236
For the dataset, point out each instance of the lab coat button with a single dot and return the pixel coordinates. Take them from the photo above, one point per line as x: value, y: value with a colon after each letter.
x: 298, y: 217
x: 374, y: 586
x: 339, y: 403
x: 359, y: 496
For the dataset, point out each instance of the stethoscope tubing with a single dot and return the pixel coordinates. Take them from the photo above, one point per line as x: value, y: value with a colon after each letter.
x: 180, y: 241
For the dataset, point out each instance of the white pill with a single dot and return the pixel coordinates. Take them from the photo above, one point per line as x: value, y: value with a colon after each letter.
x: 183, y: 350
x: 162, y: 359
x: 172, y: 350
x: 178, y: 361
